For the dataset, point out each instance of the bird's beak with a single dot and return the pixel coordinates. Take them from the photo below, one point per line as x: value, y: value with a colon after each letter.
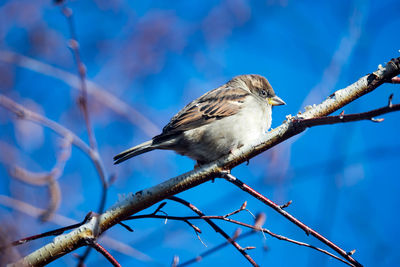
x: 276, y: 101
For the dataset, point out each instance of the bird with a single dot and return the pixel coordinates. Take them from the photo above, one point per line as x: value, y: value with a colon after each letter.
x: 218, y: 122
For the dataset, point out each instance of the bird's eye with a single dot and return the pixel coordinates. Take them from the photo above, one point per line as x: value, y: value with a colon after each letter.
x: 263, y: 93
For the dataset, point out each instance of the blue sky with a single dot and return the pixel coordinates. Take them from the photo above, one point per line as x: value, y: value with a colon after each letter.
x: 158, y: 56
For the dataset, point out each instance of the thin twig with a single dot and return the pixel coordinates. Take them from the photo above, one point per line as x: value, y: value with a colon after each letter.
x: 162, y: 204
x: 216, y: 228
x: 255, y: 227
x: 83, y: 100
x: 395, y: 80
x: 243, y: 207
x: 236, y: 236
x: 105, y: 253
x: 49, y: 233
x: 232, y: 179
x: 369, y: 115
x: 287, y: 204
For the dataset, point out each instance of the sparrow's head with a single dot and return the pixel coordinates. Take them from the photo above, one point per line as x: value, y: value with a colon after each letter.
x: 258, y: 86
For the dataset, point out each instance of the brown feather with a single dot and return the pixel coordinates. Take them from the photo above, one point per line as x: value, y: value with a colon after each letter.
x: 205, y: 109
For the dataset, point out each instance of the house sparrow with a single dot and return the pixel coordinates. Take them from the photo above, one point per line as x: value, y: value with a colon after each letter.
x: 220, y: 121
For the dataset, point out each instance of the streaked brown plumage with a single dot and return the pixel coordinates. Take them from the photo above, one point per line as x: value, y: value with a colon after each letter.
x: 216, y: 123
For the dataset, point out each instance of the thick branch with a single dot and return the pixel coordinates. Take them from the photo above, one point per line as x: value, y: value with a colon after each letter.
x: 148, y: 197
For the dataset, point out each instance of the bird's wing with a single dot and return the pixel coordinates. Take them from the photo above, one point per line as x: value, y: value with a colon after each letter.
x: 216, y: 104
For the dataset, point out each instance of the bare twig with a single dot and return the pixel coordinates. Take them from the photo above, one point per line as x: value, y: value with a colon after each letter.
x: 232, y: 179
x: 369, y: 115
x: 287, y: 204
x: 395, y: 80
x: 49, y: 233
x: 162, y: 204
x: 127, y: 227
x: 284, y: 238
x: 236, y: 236
x: 104, y: 252
x: 243, y: 207
x: 216, y: 228
x: 256, y: 227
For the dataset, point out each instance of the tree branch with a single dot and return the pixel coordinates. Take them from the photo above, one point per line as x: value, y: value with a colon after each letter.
x: 83, y: 99
x: 236, y: 235
x: 216, y: 228
x: 134, y: 203
x: 253, y: 227
x: 369, y: 115
x: 35, y: 212
x: 395, y: 80
x: 230, y: 178
x: 105, y: 253
x: 49, y: 233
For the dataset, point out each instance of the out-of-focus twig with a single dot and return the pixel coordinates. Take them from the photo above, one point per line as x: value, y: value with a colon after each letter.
x: 24, y: 113
x: 83, y: 99
x: 94, y: 90
x: 48, y: 179
x: 83, y: 104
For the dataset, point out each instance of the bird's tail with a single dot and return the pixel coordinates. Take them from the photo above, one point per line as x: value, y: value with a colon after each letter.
x: 134, y: 151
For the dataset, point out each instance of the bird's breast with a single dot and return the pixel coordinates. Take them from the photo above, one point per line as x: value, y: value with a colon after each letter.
x: 212, y: 141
